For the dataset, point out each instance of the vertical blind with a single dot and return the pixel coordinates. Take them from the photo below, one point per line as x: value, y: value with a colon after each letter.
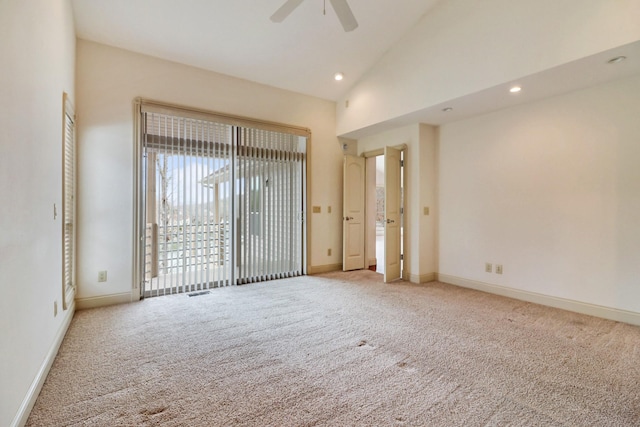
x: 187, y: 207
x: 270, y: 205
x: 223, y: 204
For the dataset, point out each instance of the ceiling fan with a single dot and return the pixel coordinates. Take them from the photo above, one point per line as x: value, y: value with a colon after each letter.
x: 345, y: 15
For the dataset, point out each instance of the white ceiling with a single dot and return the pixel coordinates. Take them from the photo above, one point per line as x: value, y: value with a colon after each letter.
x: 579, y: 74
x: 236, y: 37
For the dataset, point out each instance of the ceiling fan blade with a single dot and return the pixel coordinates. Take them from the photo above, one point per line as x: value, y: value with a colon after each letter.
x: 285, y: 10
x: 345, y: 15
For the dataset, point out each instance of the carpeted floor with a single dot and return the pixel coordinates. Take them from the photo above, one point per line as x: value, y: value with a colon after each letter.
x: 342, y: 349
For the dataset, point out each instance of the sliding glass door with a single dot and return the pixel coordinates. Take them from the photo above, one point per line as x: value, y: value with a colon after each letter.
x: 220, y: 203
x: 269, y: 204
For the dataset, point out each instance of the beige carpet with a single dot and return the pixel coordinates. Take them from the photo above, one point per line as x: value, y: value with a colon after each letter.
x: 345, y: 350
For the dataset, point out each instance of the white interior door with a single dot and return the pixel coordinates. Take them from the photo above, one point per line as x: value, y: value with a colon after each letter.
x: 353, y: 218
x: 392, y: 205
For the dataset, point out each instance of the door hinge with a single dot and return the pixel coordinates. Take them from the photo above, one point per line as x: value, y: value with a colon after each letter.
x: 401, y: 163
x: 401, y: 257
x: 401, y: 211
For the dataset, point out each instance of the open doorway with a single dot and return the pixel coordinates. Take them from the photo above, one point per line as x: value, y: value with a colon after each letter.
x: 378, y: 195
x: 378, y: 214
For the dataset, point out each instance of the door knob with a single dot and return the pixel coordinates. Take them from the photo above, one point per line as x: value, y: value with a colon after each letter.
x: 347, y: 218
x: 390, y: 221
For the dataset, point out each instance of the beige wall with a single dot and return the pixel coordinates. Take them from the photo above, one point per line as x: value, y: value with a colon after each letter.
x: 37, y: 47
x: 550, y: 190
x: 108, y: 81
x: 428, y: 193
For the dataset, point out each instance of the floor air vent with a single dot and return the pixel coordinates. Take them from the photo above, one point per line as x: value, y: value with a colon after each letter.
x: 197, y: 294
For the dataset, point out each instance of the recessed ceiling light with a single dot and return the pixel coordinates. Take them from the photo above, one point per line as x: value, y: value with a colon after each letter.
x: 616, y: 59
x: 447, y: 109
x: 515, y: 89
x: 338, y: 76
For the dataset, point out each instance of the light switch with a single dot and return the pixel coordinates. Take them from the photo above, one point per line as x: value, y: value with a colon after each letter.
x: 426, y: 210
x: 317, y: 209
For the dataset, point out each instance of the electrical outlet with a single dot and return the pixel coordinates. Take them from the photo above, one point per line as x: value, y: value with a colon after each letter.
x: 425, y: 210
x: 498, y: 268
x: 102, y: 276
x: 488, y: 267
x: 328, y: 252
x: 55, y: 308
x: 328, y: 209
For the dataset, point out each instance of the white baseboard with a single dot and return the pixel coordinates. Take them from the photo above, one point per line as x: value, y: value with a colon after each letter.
x: 36, y: 385
x: 102, y: 301
x: 319, y: 269
x: 422, y: 278
x: 618, y: 315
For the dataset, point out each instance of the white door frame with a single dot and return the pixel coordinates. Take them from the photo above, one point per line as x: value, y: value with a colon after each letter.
x: 405, y: 227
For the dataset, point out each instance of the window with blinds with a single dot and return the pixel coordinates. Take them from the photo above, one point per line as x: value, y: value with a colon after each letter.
x: 68, y: 203
x: 222, y: 200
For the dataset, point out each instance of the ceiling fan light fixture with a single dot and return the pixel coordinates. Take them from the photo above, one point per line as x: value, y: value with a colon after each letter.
x: 345, y: 15
x: 338, y: 76
x: 616, y: 59
x: 285, y: 10
x: 341, y: 7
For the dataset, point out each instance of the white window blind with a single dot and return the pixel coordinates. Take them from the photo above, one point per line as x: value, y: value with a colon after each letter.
x: 68, y: 202
x: 223, y: 203
x: 270, y: 204
x: 188, y: 211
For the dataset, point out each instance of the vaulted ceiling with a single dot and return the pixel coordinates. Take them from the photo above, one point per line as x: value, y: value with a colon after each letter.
x: 302, y: 54
x: 236, y: 37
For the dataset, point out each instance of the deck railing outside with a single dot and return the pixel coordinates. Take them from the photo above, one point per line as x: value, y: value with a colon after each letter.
x: 172, y: 249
